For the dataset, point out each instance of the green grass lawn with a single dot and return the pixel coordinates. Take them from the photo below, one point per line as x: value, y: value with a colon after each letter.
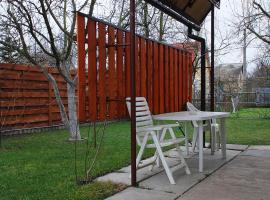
x: 41, y: 166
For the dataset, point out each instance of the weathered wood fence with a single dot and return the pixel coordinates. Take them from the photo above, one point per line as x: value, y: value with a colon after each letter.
x: 163, y: 72
x: 26, y: 97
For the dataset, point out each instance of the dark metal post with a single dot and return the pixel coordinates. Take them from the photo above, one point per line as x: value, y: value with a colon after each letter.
x: 212, y: 75
x: 133, y: 93
x: 203, y: 50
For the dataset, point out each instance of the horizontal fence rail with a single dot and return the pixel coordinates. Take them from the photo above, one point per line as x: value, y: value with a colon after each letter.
x: 163, y: 72
x: 27, y: 99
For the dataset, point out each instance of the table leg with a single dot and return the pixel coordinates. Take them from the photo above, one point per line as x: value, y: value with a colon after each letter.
x: 186, y: 139
x: 223, y: 137
x: 200, y: 124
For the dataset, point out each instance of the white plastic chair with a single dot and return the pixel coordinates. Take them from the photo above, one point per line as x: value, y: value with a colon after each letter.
x: 211, y: 125
x: 152, y: 136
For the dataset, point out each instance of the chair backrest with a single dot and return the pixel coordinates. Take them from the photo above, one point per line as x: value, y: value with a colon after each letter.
x: 191, y: 107
x: 143, y: 116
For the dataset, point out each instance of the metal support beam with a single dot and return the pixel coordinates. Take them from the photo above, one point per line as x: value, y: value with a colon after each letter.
x: 133, y: 93
x: 203, y: 51
x: 212, y: 75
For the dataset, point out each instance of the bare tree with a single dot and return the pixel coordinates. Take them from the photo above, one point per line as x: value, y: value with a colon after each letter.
x: 47, y: 27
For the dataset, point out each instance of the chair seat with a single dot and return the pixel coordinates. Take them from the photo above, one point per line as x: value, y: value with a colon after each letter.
x: 167, y: 142
x: 156, y: 127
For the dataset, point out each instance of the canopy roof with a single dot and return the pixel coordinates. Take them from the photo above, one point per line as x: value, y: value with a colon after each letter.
x: 191, y: 11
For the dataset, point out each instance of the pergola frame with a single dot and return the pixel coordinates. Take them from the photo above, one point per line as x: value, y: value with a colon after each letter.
x: 179, y: 17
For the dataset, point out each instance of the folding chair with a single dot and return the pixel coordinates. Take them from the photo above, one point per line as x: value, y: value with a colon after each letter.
x: 211, y: 125
x: 152, y: 136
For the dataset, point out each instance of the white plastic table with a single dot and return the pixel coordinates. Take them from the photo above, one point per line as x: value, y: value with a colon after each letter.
x: 199, y: 116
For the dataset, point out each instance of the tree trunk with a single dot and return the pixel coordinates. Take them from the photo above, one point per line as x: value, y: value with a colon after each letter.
x: 74, y: 128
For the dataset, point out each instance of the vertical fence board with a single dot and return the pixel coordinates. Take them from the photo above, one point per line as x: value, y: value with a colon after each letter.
x: 167, y: 80
x: 161, y: 79
x: 190, y: 78
x: 92, y: 71
x: 171, y: 79
x: 150, y: 74
x: 81, y: 66
x: 143, y: 67
x: 137, y: 67
x: 156, y: 79
x: 180, y: 67
x: 127, y: 63
x: 50, y: 94
x: 184, y: 78
x: 102, y: 71
x: 176, y: 81
x: 120, y: 83
x: 112, y: 74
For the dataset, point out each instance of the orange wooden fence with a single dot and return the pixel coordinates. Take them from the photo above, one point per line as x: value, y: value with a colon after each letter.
x: 163, y: 72
x: 27, y: 98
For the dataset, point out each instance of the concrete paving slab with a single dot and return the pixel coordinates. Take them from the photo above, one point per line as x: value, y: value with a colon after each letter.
x: 183, y: 181
x: 257, y: 153
x: 122, y: 175
x: 142, y: 194
x: 259, y: 147
x: 236, y: 147
x: 244, y: 178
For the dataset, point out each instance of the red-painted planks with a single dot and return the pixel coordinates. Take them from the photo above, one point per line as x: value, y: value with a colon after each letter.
x: 180, y: 68
x: 120, y: 74
x: 161, y: 79
x: 167, y: 79
x: 92, y: 71
x: 171, y: 80
x: 156, y: 79
x: 112, y: 74
x: 127, y: 64
x: 102, y: 71
x: 150, y: 74
x: 190, y: 78
x: 176, y: 80
x: 81, y: 66
x: 137, y: 66
x: 143, y: 68
x: 184, y: 78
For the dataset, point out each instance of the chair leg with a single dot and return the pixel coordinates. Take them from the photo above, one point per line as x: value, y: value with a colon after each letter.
x: 162, y: 158
x: 194, y: 139
x: 141, y: 151
x: 181, y: 156
x: 213, y: 139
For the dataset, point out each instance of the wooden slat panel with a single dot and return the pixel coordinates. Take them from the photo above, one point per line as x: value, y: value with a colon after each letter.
x: 161, y: 80
x: 143, y: 68
x: 120, y: 73
x: 180, y: 66
x: 81, y: 68
x: 156, y: 79
x: 190, y: 77
x: 137, y: 66
x: 184, y: 79
x: 171, y: 79
x: 150, y: 74
x: 92, y: 71
x: 176, y: 80
x: 167, y: 80
x: 102, y: 71
x: 112, y: 75
x: 127, y: 63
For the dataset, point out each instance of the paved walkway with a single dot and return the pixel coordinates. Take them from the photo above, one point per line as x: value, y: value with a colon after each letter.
x: 245, y: 174
x: 247, y: 177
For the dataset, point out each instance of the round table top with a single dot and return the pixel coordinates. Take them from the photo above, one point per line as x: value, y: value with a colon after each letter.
x: 191, y: 116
